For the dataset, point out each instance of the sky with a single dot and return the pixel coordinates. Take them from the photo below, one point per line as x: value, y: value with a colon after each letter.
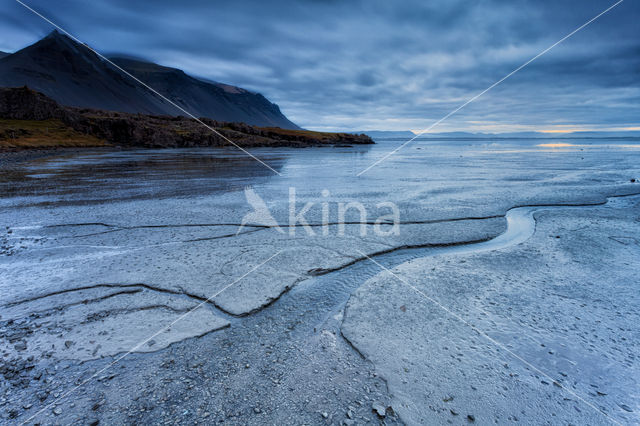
x: 383, y: 65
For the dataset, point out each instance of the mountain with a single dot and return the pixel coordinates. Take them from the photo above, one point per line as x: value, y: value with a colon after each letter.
x: 381, y: 134
x: 3, y: 54
x: 73, y: 75
x: 592, y: 134
x: 29, y: 119
x: 536, y: 135
x: 214, y: 100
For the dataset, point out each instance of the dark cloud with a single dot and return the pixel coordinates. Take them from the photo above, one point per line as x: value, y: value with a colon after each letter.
x: 378, y: 64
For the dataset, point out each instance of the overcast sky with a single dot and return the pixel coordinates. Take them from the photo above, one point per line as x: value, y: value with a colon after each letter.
x: 390, y: 65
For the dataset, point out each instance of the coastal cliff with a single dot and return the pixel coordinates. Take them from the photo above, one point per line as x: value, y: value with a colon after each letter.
x: 31, y: 119
x: 72, y: 74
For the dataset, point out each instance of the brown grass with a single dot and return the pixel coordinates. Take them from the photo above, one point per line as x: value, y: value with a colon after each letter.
x: 307, y: 133
x: 43, y: 134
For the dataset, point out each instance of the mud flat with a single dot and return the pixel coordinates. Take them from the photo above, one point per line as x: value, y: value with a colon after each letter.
x: 99, y: 250
x: 542, y: 330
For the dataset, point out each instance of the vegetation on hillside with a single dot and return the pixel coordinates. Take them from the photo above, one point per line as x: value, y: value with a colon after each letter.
x: 31, y: 119
x: 43, y: 134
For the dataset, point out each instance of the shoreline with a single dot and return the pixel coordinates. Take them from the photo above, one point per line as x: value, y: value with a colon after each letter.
x: 31, y: 119
x: 17, y: 155
x: 10, y: 156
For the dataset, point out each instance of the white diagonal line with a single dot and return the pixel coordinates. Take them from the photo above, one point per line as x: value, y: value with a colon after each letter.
x: 484, y: 334
x: 389, y: 154
x: 162, y: 330
x: 128, y: 74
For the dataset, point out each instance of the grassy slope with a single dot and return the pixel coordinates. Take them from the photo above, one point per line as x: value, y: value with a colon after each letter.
x: 43, y: 134
x: 54, y: 133
x: 307, y: 133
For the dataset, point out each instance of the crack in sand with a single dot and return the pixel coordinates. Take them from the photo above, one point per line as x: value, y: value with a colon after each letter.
x: 260, y: 226
x: 309, y: 273
x: 57, y: 309
x: 99, y: 315
x: 325, y: 271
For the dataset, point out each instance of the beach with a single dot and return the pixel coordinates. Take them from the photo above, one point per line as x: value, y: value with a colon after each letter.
x: 134, y: 290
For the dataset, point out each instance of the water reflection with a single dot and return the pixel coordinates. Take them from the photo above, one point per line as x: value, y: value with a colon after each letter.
x: 448, y: 170
x: 98, y: 176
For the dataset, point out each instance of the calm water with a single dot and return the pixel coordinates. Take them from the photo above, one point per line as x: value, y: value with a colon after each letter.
x: 426, y: 178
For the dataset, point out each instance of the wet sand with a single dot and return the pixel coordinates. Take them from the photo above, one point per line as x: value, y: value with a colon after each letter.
x: 100, y: 248
x: 13, y: 157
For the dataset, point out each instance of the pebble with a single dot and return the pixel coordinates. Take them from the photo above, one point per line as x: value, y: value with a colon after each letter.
x: 96, y: 406
x: 107, y: 377
x: 57, y: 411
x: 379, y: 409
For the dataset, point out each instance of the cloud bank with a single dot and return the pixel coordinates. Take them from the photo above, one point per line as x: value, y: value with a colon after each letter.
x: 351, y: 65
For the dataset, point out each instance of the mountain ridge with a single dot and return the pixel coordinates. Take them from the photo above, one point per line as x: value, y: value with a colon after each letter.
x: 584, y: 134
x: 30, y: 119
x: 75, y: 76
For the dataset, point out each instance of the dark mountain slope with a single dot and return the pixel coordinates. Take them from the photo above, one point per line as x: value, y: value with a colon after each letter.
x: 224, y: 102
x: 73, y: 75
x: 29, y: 119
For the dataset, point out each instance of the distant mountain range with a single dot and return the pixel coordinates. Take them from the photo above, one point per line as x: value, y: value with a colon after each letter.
x: 381, y: 134
x: 73, y: 75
